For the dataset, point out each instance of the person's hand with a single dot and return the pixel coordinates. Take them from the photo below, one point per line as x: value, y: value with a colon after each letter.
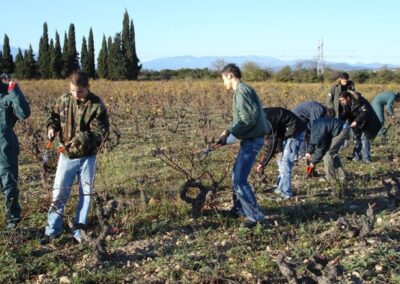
x: 308, y: 157
x: 51, y: 134
x: 222, y: 138
x: 353, y: 124
x: 260, y: 169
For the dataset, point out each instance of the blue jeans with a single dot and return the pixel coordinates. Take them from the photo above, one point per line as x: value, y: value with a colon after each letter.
x: 285, y: 164
x: 362, y: 147
x: 244, y: 198
x: 67, y: 169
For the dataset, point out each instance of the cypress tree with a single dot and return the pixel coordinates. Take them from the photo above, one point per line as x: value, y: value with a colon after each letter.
x: 73, y: 55
x: 116, y: 60
x: 44, y: 54
x: 84, y: 57
x: 8, y: 62
x: 135, y: 67
x: 92, y: 67
x: 65, y: 69
x: 56, y: 62
x: 19, y: 71
x: 30, y: 64
x: 102, y: 60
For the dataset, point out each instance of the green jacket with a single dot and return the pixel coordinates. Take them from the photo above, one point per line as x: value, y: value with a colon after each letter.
x: 86, y: 123
x: 332, y: 99
x: 384, y: 99
x: 13, y: 106
x: 249, y: 120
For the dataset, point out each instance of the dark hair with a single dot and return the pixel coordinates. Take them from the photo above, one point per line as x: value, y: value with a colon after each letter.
x: 346, y: 95
x: 233, y: 69
x: 330, y: 112
x: 344, y: 75
x: 80, y: 79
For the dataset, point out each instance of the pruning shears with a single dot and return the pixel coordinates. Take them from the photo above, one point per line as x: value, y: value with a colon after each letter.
x: 209, y: 149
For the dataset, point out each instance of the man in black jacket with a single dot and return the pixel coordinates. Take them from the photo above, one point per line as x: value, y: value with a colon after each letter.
x: 326, y: 136
x: 286, y: 135
x: 364, y: 122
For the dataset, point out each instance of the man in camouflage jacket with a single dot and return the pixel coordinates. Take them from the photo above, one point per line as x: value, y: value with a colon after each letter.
x: 80, y: 118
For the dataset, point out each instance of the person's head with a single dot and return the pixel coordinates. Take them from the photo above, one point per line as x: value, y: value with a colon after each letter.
x: 345, y: 98
x: 79, y: 85
x: 231, y: 75
x: 344, y: 78
x: 330, y: 112
x: 397, y: 97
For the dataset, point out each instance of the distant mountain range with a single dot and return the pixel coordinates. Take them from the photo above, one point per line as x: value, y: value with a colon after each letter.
x: 179, y: 62
x: 273, y: 63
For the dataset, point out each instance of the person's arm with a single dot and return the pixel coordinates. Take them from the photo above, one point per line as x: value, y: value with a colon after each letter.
x: 269, y: 147
x: 54, y: 122
x: 389, y: 105
x: 20, y: 105
x: 329, y: 98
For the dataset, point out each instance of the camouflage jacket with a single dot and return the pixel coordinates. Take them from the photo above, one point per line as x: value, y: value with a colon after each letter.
x: 85, y: 123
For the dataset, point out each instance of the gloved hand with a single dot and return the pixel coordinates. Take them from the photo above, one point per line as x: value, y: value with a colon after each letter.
x: 310, y: 169
x: 223, y: 137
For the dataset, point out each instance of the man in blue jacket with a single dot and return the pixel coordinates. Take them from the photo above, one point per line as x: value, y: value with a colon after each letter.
x: 387, y: 99
x: 249, y: 125
x: 326, y: 136
x: 13, y: 106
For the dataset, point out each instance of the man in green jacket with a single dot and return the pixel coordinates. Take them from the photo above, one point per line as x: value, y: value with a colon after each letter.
x: 387, y: 99
x: 249, y: 125
x: 332, y: 99
x: 13, y: 106
x: 81, y: 121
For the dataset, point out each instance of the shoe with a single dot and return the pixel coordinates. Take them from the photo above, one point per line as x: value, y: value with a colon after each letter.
x: 367, y: 161
x: 232, y: 213
x: 46, y: 240
x: 247, y: 224
x: 78, y: 239
x: 11, y: 225
x: 277, y: 191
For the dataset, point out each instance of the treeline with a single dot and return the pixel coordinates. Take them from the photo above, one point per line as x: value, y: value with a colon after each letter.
x: 252, y: 72
x: 117, y: 59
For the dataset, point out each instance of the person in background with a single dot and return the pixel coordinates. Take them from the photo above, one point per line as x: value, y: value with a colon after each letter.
x: 249, y: 125
x: 288, y: 132
x: 81, y: 121
x: 387, y: 99
x: 13, y: 107
x: 332, y: 99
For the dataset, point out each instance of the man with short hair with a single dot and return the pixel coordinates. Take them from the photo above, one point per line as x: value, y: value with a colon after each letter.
x: 332, y: 99
x: 249, y: 125
x: 13, y: 107
x: 81, y: 121
x: 387, y: 99
x: 286, y: 136
x: 364, y: 122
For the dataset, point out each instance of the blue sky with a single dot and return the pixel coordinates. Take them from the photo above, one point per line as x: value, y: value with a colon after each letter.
x: 352, y: 30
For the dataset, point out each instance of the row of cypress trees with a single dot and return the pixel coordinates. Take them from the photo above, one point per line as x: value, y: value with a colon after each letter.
x: 117, y: 59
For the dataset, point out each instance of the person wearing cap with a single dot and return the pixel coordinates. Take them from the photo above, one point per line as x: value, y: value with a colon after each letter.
x: 13, y: 107
x: 363, y: 121
x: 80, y: 119
x: 383, y: 99
x: 249, y: 125
x: 287, y: 133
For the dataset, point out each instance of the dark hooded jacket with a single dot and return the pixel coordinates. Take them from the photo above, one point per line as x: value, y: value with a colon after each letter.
x: 284, y: 124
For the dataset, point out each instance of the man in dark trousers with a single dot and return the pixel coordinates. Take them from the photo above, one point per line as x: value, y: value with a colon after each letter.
x: 249, y: 125
x: 308, y: 112
x: 13, y: 107
x: 364, y: 122
x: 287, y: 133
x: 326, y: 136
x: 387, y: 99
